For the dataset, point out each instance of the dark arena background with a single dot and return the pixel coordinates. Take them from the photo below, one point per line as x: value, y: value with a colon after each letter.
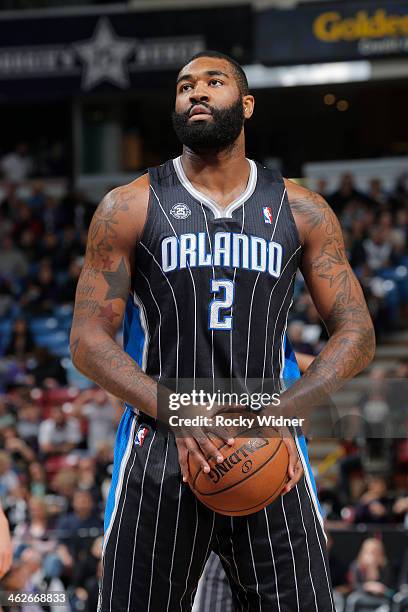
x: 86, y: 93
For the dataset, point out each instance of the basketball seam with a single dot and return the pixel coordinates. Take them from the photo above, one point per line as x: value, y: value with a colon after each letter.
x: 256, y: 505
x: 244, y: 479
x: 224, y: 445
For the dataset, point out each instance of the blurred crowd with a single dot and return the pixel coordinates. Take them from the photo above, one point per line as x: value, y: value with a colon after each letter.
x: 57, y: 431
x: 41, y: 159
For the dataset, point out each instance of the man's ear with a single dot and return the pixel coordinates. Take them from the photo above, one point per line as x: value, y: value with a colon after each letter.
x: 249, y: 104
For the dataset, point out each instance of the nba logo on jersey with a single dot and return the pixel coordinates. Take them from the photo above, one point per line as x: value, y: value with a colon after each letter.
x: 267, y: 213
x: 140, y: 435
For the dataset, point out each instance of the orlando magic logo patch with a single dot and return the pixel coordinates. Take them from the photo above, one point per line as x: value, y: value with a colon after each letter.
x: 140, y: 435
x: 267, y: 214
x: 180, y: 211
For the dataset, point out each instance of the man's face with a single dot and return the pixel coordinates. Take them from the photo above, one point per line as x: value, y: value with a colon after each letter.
x: 58, y: 415
x: 209, y: 109
x: 82, y: 503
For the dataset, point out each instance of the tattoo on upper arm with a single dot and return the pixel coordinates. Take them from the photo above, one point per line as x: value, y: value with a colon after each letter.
x: 97, y: 271
x: 103, y: 229
x: 107, y: 312
x: 118, y: 282
x: 314, y: 211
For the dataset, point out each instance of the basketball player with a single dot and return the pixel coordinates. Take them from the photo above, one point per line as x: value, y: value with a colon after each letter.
x: 199, y: 257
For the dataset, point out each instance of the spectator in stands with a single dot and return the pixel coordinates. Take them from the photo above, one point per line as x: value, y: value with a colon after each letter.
x: 22, y: 343
x: 64, y: 484
x: 370, y: 573
x: 79, y: 210
x: 53, y: 215
x: 28, y: 425
x: 400, y: 509
x: 28, y: 243
x: 101, y: 415
x: 6, y: 298
x: 322, y: 188
x: 59, y: 434
x: 85, y: 576
x: 17, y: 165
x: 37, y: 530
x: 40, y: 296
x: 338, y: 572
x: 401, y: 190
x: 376, y: 193
x: 28, y: 574
x: 7, y: 416
x: 374, y: 505
x: 69, y: 248
x: 49, y: 247
x: 8, y: 205
x: 47, y: 370
x: 36, y: 201
x: 37, y: 478
x: 77, y: 530
x: 48, y: 288
x: 345, y: 193
x: 378, y: 249
x: 401, y: 224
x: 67, y: 291
x: 25, y: 220
x: 87, y: 477
x: 16, y: 505
x: 13, y: 263
x: 21, y: 453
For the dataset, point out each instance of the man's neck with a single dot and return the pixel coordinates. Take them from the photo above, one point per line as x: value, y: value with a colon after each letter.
x: 222, y: 175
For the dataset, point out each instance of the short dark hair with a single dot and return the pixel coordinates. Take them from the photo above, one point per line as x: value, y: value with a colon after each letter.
x: 239, y: 74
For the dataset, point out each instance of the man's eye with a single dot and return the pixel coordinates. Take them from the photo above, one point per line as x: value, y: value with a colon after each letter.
x: 185, y: 87
x: 215, y: 82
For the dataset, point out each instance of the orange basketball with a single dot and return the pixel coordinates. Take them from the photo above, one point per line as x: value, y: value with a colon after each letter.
x: 252, y: 475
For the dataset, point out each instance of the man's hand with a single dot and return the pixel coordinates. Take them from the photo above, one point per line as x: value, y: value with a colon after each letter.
x: 295, y: 468
x: 196, y: 441
x: 6, y: 548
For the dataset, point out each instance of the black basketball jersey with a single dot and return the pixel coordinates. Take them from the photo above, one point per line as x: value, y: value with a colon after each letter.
x: 213, y: 286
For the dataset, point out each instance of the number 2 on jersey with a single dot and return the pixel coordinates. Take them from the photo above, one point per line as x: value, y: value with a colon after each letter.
x: 215, y: 317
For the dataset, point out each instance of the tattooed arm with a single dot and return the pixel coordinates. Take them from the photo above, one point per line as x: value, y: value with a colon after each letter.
x: 338, y: 298
x: 101, y: 296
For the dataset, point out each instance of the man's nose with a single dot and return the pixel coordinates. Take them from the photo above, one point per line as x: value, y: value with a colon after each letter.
x: 198, y: 94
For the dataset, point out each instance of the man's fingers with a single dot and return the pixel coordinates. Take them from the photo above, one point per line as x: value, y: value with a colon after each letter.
x: 183, y: 461
x: 208, y: 449
x: 292, y: 450
x: 195, y: 450
x: 226, y: 434
x: 293, y: 480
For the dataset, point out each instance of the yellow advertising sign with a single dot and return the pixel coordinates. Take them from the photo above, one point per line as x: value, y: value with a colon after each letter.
x: 330, y: 26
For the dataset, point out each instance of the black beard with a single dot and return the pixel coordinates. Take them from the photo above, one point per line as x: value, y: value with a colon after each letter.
x: 210, y: 135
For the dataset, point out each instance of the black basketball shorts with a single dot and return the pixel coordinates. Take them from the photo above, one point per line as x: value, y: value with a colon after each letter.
x: 158, y: 538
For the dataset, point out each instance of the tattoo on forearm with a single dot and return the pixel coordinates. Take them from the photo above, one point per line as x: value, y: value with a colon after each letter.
x: 352, y: 342
x: 115, y: 370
